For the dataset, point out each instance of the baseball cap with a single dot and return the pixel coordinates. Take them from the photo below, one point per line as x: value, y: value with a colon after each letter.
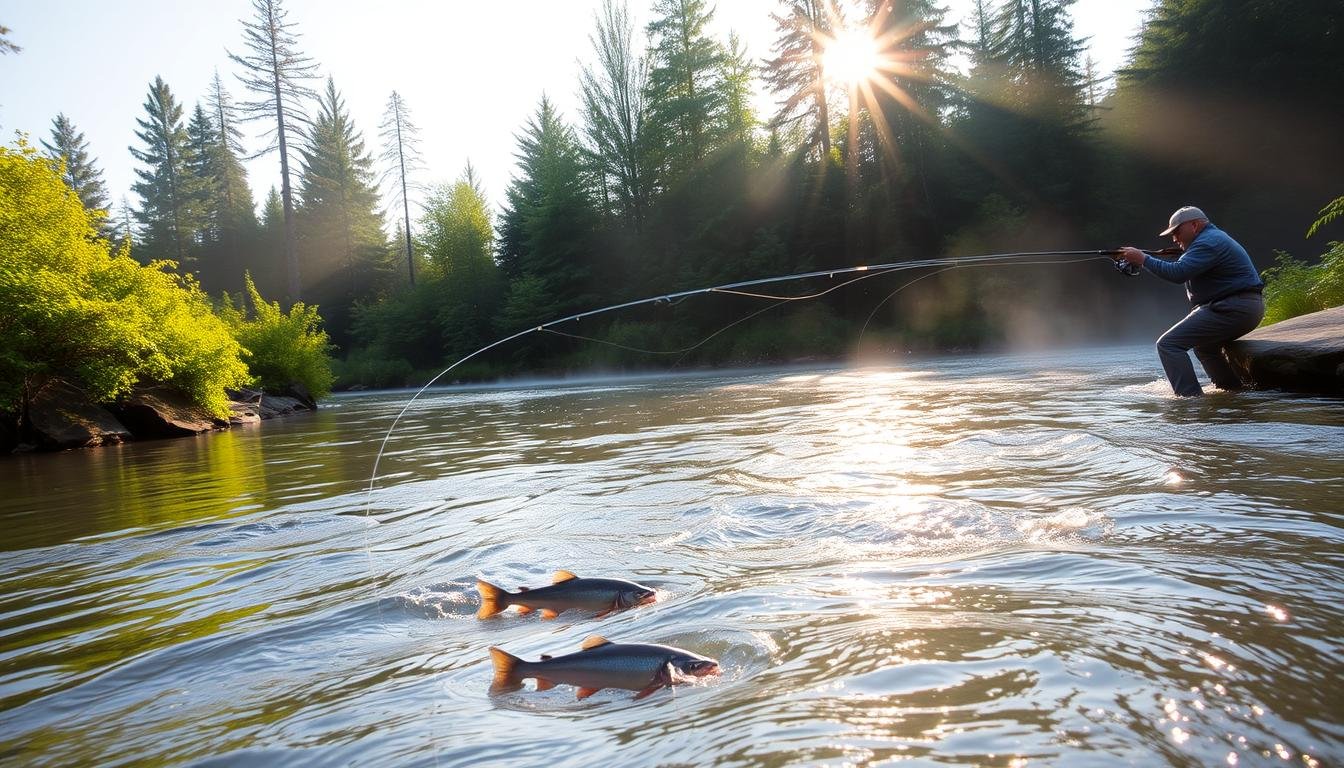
x: 1182, y: 215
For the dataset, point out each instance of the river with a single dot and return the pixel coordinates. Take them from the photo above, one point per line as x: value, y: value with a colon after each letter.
x: 1030, y: 559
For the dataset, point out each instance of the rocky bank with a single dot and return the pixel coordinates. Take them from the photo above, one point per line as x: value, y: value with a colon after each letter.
x: 61, y: 416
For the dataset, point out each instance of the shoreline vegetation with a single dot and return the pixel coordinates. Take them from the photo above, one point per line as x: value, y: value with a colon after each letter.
x: 666, y: 180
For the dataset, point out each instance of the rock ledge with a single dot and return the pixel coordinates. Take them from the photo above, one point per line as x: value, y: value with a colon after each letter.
x: 1302, y: 354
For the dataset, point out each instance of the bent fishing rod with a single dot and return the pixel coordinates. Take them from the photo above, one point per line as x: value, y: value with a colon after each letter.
x: 864, y: 270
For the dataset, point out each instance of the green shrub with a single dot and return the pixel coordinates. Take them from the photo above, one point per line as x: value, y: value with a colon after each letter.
x: 70, y: 307
x: 282, y: 348
x: 1293, y: 288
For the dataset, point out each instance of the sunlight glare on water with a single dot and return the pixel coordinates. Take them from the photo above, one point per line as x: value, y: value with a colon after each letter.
x: 1003, y: 560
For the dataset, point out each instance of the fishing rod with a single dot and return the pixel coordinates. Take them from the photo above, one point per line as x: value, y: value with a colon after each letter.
x: 865, y: 271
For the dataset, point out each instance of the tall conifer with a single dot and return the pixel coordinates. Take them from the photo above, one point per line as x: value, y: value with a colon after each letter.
x: 81, y: 172
x: 275, y: 73
x: 168, y: 211
x: 343, y: 245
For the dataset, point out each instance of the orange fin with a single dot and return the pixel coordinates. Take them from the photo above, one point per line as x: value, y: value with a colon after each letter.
x: 648, y: 691
x: 594, y: 641
x: 506, y: 670
x: 562, y: 576
x: 523, y: 609
x: 586, y: 692
x: 493, y: 599
x: 547, y: 613
x: 544, y: 685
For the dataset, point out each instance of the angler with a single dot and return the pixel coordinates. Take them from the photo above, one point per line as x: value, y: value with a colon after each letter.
x: 566, y: 591
x: 642, y: 667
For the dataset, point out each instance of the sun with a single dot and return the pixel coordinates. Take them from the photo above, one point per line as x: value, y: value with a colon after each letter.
x: 852, y: 56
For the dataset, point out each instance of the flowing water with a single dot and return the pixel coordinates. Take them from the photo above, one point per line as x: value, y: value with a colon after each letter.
x: 1013, y: 560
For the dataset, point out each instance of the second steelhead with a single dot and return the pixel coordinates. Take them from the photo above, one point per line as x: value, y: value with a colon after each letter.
x: 642, y: 667
x: 602, y: 596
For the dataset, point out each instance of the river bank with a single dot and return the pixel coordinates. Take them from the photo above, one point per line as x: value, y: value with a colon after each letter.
x: 62, y: 417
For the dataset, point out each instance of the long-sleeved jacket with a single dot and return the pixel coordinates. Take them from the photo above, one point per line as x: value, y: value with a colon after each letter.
x: 1214, y: 267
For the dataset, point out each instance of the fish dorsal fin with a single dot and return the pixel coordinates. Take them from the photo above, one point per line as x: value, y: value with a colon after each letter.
x: 562, y: 576
x: 594, y: 641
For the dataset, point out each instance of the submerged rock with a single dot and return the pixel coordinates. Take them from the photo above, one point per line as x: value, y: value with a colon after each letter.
x: 1301, y: 354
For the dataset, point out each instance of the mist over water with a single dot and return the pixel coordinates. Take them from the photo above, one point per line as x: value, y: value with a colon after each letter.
x: 1011, y: 560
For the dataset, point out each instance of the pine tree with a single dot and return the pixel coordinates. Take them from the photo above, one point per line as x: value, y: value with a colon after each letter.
x: 458, y: 238
x: 81, y: 174
x: 238, y: 217
x: 797, y: 72
x: 7, y: 46
x: 168, y: 213
x: 275, y: 72
x: 686, y: 98
x: 343, y: 245
x: 616, y: 116
x: 546, y: 233
x: 223, y: 201
x: 401, y: 156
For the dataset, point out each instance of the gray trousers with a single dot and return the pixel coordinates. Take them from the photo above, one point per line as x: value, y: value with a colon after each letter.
x: 1206, y: 330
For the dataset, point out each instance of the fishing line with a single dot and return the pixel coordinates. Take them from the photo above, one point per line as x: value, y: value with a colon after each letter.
x: 900, y: 288
x: 777, y: 299
x: 673, y: 299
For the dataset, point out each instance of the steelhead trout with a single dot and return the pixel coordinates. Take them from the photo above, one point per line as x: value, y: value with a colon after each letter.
x: 566, y: 591
x: 642, y: 667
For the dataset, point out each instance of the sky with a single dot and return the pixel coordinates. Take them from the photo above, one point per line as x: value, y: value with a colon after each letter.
x: 471, y: 73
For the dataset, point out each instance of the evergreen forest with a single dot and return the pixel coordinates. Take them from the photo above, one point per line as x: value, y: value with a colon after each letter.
x: 975, y: 135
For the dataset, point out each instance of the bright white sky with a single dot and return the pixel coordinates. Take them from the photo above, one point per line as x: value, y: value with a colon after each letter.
x: 471, y: 72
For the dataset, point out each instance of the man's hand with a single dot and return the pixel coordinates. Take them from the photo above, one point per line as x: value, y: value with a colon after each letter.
x: 1132, y: 255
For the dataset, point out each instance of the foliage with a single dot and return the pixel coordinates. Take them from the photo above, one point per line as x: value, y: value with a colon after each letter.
x: 1332, y: 210
x: 1293, y: 288
x: 74, y: 309
x: 281, y: 348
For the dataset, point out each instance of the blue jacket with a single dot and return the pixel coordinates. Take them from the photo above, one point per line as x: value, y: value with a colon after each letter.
x: 1214, y: 267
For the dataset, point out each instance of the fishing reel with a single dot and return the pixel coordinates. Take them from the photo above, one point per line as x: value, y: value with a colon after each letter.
x: 1132, y: 270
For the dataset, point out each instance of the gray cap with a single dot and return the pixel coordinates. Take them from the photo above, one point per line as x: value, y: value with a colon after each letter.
x: 1182, y: 215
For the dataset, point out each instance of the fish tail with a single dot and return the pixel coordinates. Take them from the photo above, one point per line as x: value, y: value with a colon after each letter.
x: 493, y: 599
x: 507, y: 669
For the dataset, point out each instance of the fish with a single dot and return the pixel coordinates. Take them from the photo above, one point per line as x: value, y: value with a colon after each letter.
x: 642, y: 667
x: 565, y: 592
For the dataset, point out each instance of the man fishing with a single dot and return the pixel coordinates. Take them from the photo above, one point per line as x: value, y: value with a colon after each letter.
x: 1225, y: 289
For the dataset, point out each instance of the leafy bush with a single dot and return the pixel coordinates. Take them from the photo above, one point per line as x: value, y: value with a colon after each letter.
x: 282, y: 349
x: 71, y: 307
x: 1293, y: 288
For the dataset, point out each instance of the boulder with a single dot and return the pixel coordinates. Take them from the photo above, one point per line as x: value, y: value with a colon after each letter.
x: 157, y: 411
x: 61, y: 416
x: 1301, y: 354
x: 271, y: 406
